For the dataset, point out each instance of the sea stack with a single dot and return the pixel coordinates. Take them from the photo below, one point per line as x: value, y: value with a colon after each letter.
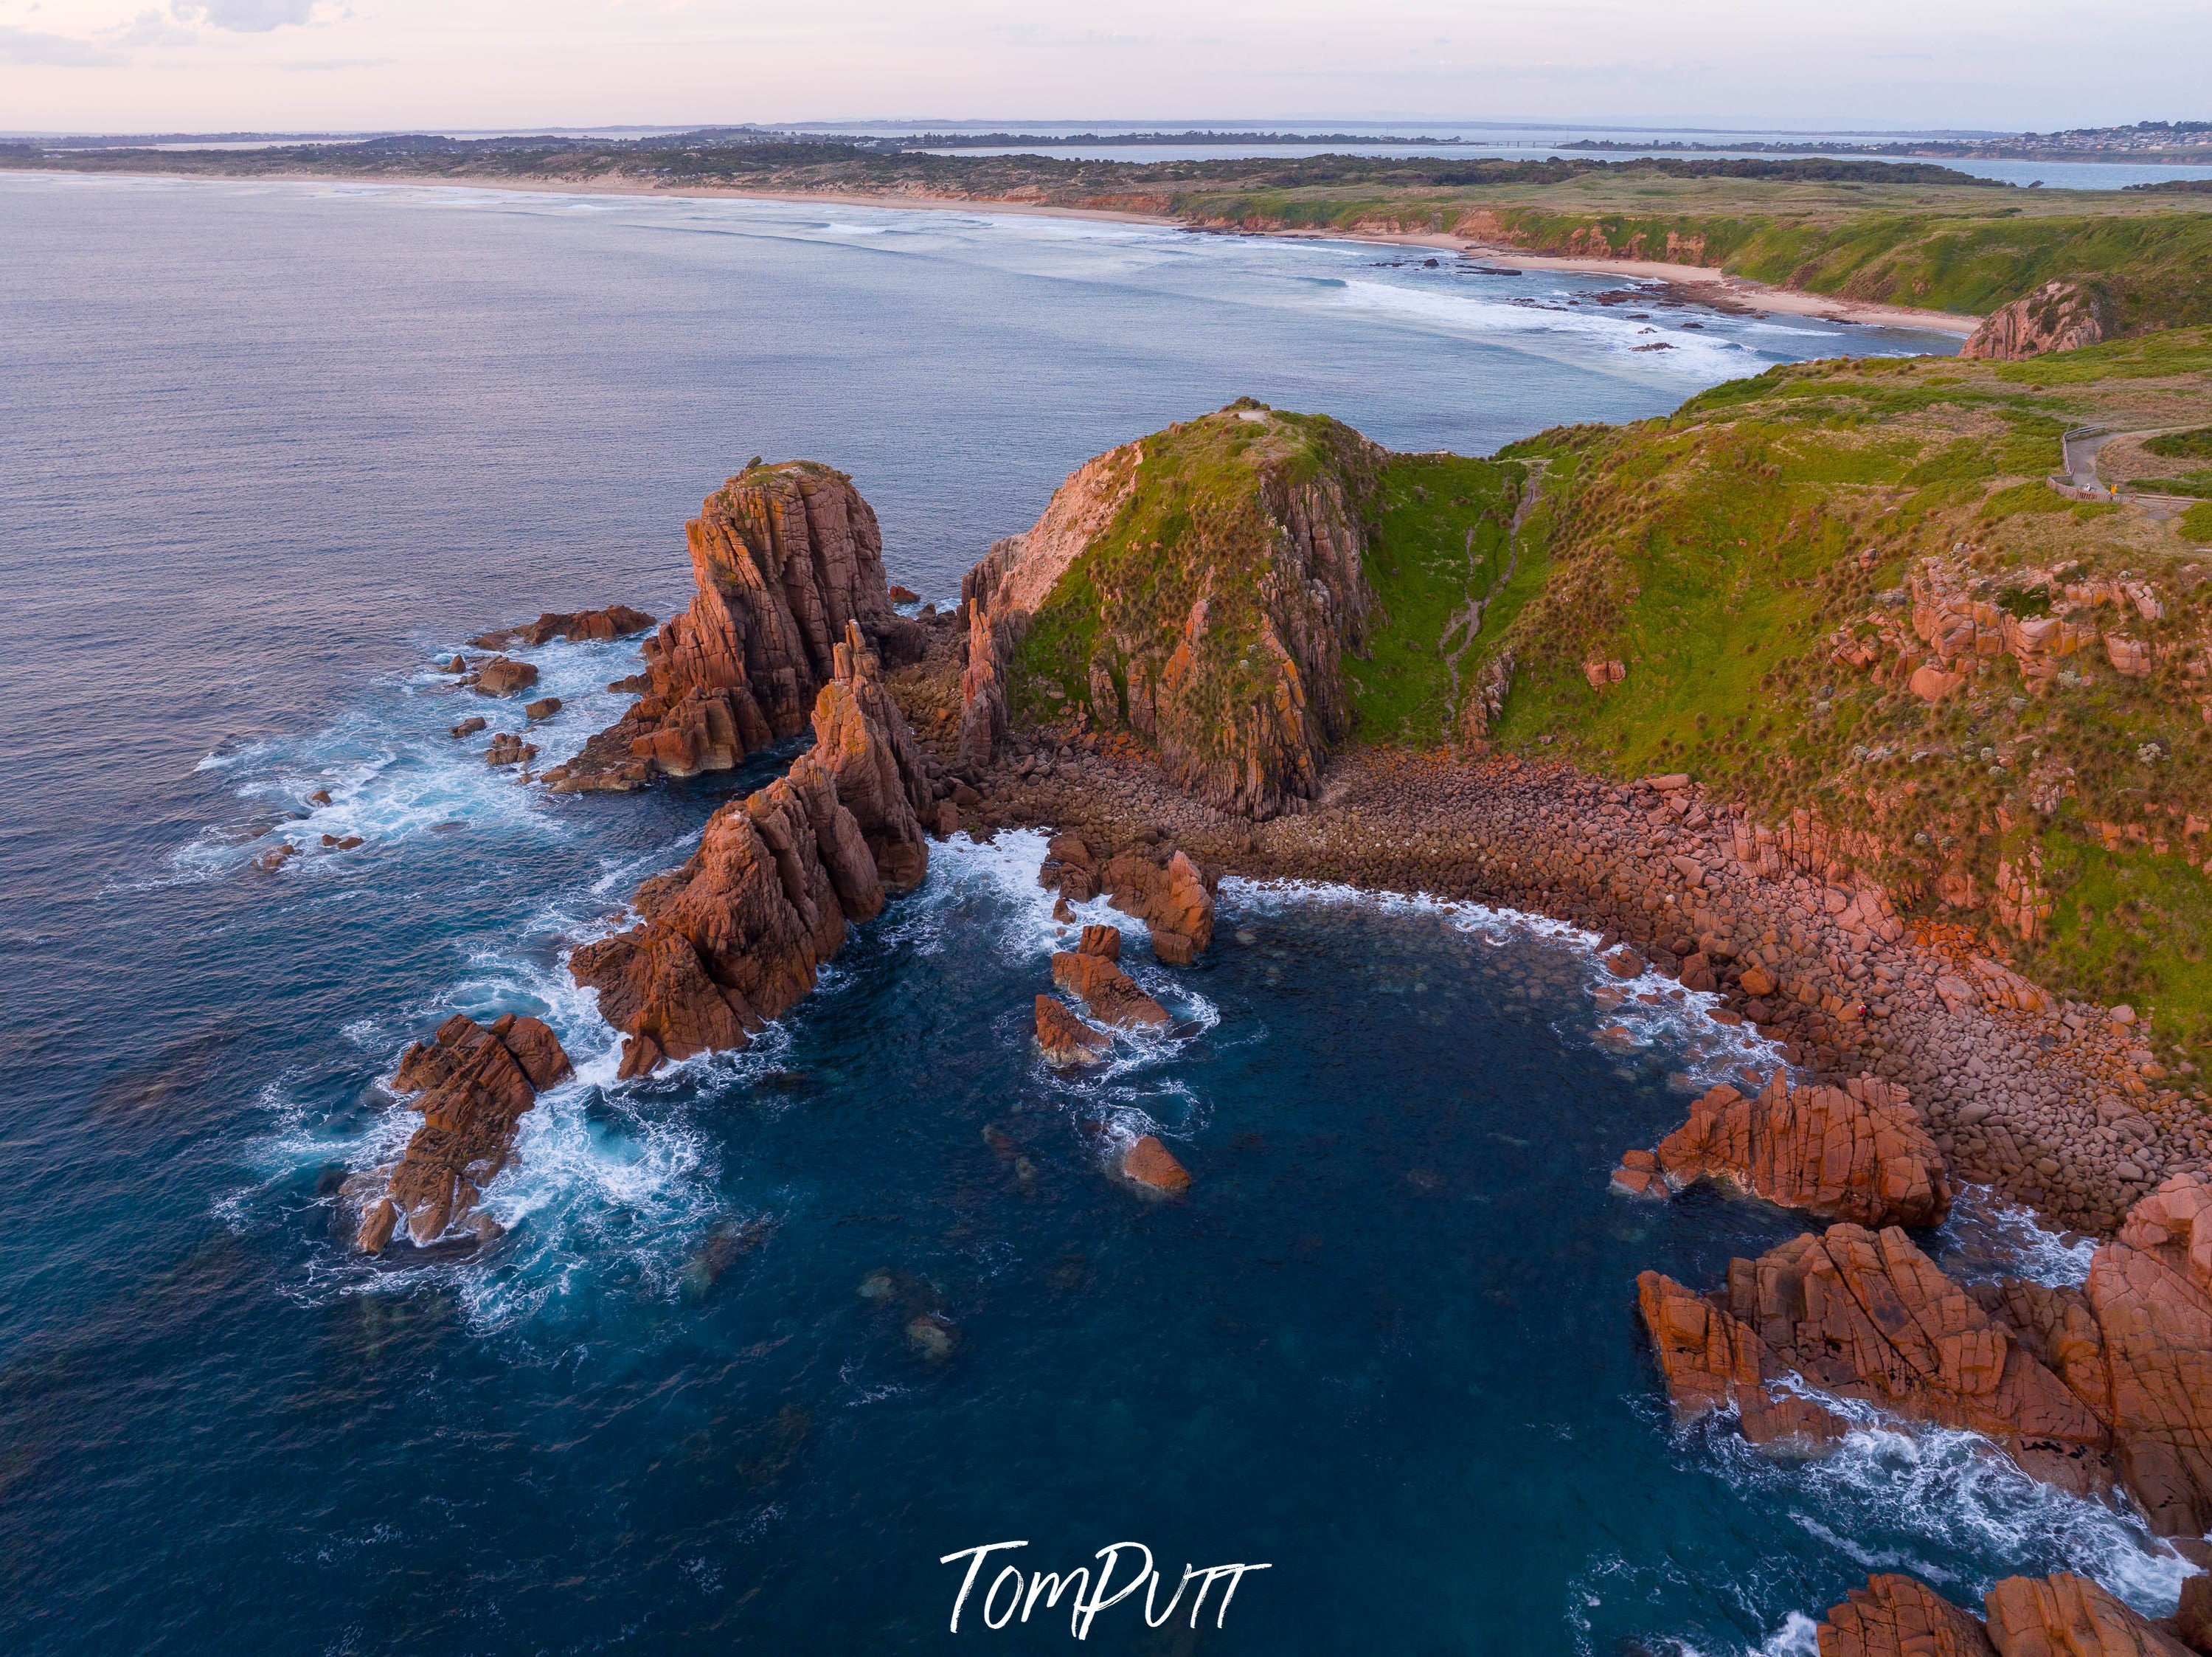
x: 786, y: 559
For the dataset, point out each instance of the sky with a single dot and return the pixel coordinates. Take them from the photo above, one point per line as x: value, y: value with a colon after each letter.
x: 336, y: 65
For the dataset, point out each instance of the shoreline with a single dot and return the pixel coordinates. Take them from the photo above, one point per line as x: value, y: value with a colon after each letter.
x: 2055, y: 1106
x: 1702, y: 284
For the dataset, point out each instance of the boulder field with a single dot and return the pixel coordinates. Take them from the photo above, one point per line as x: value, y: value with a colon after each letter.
x: 734, y: 937
x: 2084, y: 1388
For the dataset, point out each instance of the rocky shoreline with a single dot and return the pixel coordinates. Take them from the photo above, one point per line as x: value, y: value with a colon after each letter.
x: 2058, y: 1106
x: 1906, y: 1061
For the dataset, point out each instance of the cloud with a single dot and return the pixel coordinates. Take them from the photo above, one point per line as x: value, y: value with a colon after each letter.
x: 245, y: 17
x: 25, y: 45
x: 152, y: 29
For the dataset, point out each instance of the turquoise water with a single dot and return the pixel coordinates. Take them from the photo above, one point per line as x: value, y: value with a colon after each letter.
x: 274, y: 449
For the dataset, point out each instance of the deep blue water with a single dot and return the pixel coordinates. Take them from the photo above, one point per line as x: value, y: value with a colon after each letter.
x: 270, y: 449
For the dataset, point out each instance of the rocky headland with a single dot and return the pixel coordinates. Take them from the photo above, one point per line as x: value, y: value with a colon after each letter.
x: 1257, y: 645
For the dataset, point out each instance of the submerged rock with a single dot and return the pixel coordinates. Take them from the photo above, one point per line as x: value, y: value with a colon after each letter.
x: 1857, y: 1153
x: 477, y: 1082
x: 1148, y: 1163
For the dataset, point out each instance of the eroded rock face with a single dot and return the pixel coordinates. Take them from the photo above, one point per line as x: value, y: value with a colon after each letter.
x: 1005, y: 589
x: 735, y: 936
x: 1111, y: 994
x: 2058, y: 316
x: 502, y: 676
x: 2058, y: 1615
x: 1064, y: 1039
x: 787, y: 557
x: 1221, y: 566
x: 2151, y: 1291
x: 1895, y: 1615
x: 2069, y: 1616
x: 475, y: 1082
x: 1857, y: 1153
x: 1867, y: 1316
x: 861, y: 741
x: 1162, y: 887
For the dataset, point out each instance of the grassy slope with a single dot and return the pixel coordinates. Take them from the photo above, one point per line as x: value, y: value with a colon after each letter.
x: 1191, y: 524
x: 1943, y: 247
x: 1717, y: 551
x: 1439, y: 541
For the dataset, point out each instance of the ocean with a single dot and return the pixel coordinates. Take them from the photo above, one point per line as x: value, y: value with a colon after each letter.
x: 273, y: 450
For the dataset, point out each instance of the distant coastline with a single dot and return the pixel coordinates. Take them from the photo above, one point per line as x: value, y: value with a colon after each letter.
x: 1700, y: 284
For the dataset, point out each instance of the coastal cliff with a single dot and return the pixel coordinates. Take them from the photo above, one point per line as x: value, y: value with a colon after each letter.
x: 787, y: 557
x: 2061, y: 315
x: 1198, y: 588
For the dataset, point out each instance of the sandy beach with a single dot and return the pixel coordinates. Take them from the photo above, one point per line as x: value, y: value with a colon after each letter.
x: 1697, y: 283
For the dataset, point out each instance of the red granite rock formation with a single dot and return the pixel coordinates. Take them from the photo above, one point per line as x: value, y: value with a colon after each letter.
x: 616, y: 621
x: 1857, y: 1153
x: 1103, y: 942
x: 2151, y: 1290
x: 503, y: 676
x: 1161, y: 886
x: 475, y: 1082
x: 2058, y: 1615
x: 1897, y: 1616
x: 1064, y: 1039
x: 2069, y: 1616
x: 1150, y: 1164
x: 1111, y: 994
x: 861, y: 739
x: 1867, y: 1316
x: 787, y: 557
x: 734, y: 937
x: 1000, y: 593
x: 2059, y: 316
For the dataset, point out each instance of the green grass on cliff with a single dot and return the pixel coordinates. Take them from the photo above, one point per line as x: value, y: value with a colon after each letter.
x: 1439, y: 547
x: 1193, y: 526
x: 1721, y: 553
